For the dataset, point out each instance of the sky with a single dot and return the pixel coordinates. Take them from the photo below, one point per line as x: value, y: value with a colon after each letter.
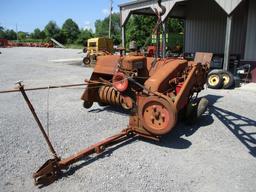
x: 31, y: 14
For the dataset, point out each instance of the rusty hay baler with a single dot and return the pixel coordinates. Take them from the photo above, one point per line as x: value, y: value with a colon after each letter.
x: 156, y: 91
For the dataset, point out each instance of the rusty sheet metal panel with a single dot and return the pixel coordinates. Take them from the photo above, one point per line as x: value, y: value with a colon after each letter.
x: 133, y: 62
x: 204, y: 58
x: 106, y: 64
x: 182, y: 96
x: 159, y: 80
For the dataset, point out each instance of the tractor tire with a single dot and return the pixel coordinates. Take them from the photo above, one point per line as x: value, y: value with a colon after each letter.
x: 214, y: 81
x: 228, y: 80
x: 87, y: 61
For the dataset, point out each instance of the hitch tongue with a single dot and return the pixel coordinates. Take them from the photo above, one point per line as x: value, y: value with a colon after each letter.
x: 47, y: 173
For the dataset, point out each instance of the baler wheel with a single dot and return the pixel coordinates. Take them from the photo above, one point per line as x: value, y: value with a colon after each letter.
x: 87, y: 104
x: 195, y: 110
x: 158, y: 115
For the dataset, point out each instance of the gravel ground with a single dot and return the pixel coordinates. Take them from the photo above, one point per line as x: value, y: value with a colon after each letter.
x: 217, y: 154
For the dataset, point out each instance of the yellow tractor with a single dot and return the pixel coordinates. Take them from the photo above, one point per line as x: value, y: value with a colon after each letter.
x: 99, y: 46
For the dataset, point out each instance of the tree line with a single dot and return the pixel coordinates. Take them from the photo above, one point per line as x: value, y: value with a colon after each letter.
x: 139, y: 28
x: 69, y: 33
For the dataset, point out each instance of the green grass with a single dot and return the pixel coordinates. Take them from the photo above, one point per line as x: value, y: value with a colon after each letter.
x: 74, y: 46
x: 33, y: 40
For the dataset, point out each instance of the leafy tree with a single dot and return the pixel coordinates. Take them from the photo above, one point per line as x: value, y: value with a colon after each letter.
x: 70, y: 30
x: 7, y: 34
x: 139, y: 29
x: 84, y: 35
x: 175, y: 25
x: 102, y: 28
x: 116, y: 29
x: 53, y: 31
x: 11, y: 34
x: 2, y: 32
x: 42, y: 35
x: 21, y: 35
x: 36, y: 34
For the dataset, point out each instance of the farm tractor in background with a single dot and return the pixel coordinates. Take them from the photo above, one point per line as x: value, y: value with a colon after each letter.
x: 99, y: 46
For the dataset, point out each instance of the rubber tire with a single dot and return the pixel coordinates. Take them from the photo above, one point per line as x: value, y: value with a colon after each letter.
x: 202, y: 105
x: 194, y: 111
x: 219, y: 83
x: 87, y: 104
x: 229, y: 76
x: 87, y: 61
x: 215, y: 71
x: 191, y: 114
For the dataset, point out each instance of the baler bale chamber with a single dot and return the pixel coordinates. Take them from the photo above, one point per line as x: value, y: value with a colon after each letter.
x: 157, y: 91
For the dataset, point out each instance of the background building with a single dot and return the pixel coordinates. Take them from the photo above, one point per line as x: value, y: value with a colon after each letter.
x: 225, y: 27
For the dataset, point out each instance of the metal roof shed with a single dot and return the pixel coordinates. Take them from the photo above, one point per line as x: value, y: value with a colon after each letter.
x: 211, y: 25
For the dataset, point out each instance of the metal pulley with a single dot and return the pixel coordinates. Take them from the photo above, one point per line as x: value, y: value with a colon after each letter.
x: 158, y: 115
x: 120, y: 81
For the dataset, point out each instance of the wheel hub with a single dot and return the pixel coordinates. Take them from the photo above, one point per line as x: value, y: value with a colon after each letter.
x: 213, y: 80
x: 158, y: 115
x: 226, y: 79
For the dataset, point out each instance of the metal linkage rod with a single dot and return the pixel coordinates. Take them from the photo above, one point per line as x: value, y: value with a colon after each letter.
x: 21, y: 89
x: 48, y: 87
